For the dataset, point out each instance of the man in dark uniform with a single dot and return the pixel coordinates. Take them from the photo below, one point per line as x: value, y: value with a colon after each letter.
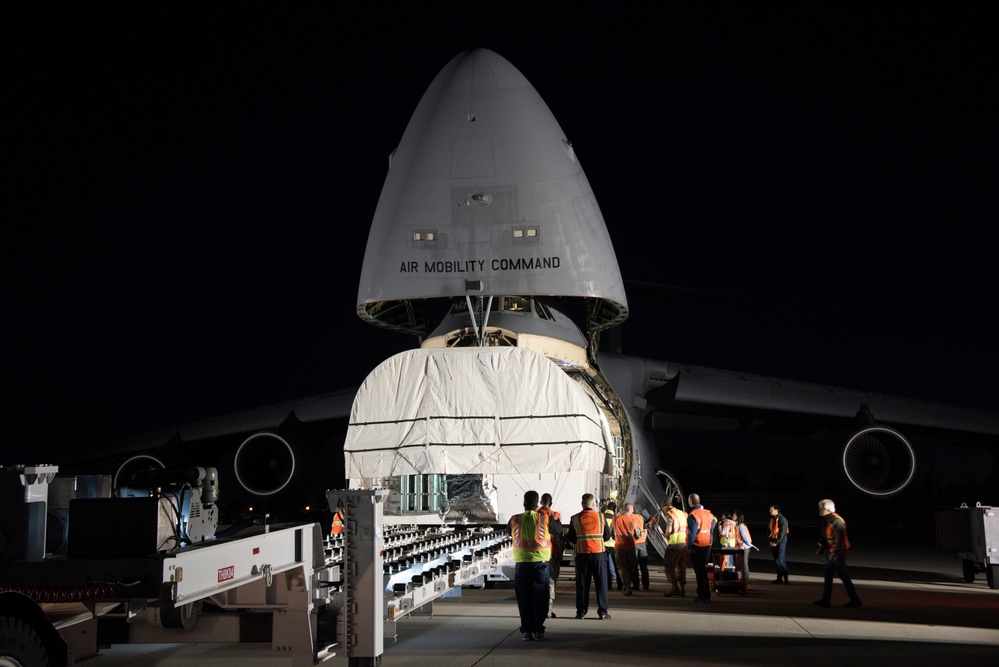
x: 700, y: 533
x: 778, y: 543
x: 588, y: 531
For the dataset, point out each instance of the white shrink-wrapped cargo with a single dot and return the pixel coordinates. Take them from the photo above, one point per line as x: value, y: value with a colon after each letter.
x: 475, y: 410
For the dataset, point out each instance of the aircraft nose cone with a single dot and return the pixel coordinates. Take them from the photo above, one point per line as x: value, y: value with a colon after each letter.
x: 485, y: 195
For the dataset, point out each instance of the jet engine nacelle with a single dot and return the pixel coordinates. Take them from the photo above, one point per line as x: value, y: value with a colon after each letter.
x: 878, y: 460
x: 265, y: 463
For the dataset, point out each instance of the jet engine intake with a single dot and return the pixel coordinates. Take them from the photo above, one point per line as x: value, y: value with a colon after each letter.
x: 133, y: 466
x: 264, y: 463
x: 879, y: 460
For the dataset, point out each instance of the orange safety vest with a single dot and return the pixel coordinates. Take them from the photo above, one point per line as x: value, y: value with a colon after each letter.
x: 625, y: 526
x: 775, y: 527
x: 641, y: 527
x: 558, y: 539
x: 547, y: 510
x: 831, y: 533
x: 589, y: 528
x: 337, y: 527
x: 535, y: 547
x: 704, y: 519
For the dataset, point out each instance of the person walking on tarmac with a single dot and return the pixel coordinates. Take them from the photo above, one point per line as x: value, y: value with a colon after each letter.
x: 778, y: 543
x: 532, y: 546
x: 700, y: 529
x: 589, y: 533
x: 627, y: 528
x: 558, y: 549
x: 671, y: 523
x: 609, y: 513
x: 834, y: 543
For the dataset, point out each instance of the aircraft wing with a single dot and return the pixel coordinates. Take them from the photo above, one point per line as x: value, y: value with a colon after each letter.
x: 311, y: 409
x: 275, y: 458
x: 873, y: 429
x: 697, y: 390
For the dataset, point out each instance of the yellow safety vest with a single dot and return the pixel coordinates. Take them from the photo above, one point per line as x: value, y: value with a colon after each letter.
x: 609, y: 518
x: 678, y: 534
x: 532, y: 540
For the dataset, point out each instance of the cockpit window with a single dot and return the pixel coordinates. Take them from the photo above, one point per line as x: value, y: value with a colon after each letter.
x: 478, y: 302
x: 517, y: 304
x: 510, y: 304
x: 543, y: 311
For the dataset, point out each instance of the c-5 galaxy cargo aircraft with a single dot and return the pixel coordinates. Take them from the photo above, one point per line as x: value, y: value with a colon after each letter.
x: 489, y: 247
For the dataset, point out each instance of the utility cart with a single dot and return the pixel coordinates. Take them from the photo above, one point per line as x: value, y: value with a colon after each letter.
x: 972, y: 533
x: 728, y: 581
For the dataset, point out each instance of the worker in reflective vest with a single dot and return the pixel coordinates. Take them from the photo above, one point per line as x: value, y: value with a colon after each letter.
x: 588, y: 531
x: 558, y: 549
x: 627, y: 527
x: 337, y: 527
x: 834, y: 544
x: 726, y: 538
x: 778, y: 543
x: 532, y: 549
x: 700, y: 527
x: 609, y: 513
x: 671, y: 524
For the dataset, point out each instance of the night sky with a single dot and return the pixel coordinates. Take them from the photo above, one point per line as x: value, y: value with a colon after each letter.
x: 191, y: 198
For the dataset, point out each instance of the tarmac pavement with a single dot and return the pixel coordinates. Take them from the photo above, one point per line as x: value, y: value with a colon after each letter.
x: 916, y: 611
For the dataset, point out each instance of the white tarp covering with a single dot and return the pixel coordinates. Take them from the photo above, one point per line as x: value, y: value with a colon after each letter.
x: 472, y: 410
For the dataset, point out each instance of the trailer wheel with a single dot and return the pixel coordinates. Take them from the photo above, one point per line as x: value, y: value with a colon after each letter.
x: 20, y: 644
x: 992, y: 576
x: 969, y: 570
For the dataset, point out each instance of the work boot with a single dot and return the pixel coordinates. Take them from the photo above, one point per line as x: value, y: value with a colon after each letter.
x: 675, y: 590
x: 683, y: 594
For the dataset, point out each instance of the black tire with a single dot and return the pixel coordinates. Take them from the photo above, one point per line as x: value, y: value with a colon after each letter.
x: 969, y: 570
x: 992, y: 576
x: 20, y: 643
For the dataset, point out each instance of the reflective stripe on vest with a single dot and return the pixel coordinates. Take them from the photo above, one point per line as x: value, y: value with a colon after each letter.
x: 624, y: 530
x: 337, y: 527
x: 588, y: 526
x: 725, y: 533
x: 531, y: 538
x: 703, y: 518
x: 679, y: 527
